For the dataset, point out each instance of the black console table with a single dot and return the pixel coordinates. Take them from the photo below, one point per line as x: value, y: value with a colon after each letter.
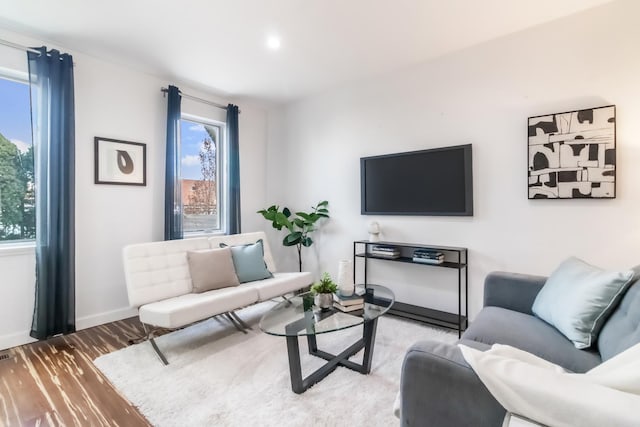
x: 456, y: 258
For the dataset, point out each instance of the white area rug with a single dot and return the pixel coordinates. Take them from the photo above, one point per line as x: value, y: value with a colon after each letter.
x: 218, y: 376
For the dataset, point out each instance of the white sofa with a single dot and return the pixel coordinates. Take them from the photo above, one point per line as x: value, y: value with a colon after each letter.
x: 159, y: 283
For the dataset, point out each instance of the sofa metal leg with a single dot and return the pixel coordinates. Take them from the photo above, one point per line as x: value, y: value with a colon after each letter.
x: 220, y: 318
x: 242, y: 322
x: 235, y: 323
x: 158, y: 352
x: 154, y: 345
x: 287, y: 300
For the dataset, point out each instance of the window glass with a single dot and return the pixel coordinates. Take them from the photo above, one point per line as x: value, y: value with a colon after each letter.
x: 17, y: 190
x: 200, y: 175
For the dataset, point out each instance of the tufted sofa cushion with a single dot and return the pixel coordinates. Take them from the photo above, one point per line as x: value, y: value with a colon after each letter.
x: 159, y: 281
x: 188, y: 308
x: 159, y: 270
x: 622, y: 330
x: 279, y: 284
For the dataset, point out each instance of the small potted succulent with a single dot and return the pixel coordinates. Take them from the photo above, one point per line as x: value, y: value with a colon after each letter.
x: 323, y: 291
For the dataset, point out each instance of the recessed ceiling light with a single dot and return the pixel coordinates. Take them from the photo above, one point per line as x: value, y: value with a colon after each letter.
x: 273, y: 42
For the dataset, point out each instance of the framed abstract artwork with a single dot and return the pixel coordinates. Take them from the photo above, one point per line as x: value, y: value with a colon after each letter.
x: 572, y: 155
x: 120, y: 162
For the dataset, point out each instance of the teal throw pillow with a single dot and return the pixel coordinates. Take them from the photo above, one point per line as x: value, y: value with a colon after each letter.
x: 248, y: 261
x: 578, y: 297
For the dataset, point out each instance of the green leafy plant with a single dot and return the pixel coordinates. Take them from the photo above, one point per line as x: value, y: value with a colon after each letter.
x: 325, y: 286
x: 299, y: 226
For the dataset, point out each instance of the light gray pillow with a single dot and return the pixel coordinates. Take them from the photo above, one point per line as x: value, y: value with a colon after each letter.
x: 211, y: 269
x: 578, y: 297
x: 248, y: 261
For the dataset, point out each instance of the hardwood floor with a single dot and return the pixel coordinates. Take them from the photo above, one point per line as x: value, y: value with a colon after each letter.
x: 54, y: 383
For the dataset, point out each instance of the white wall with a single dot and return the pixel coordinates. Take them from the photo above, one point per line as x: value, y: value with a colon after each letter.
x: 117, y: 102
x: 482, y: 95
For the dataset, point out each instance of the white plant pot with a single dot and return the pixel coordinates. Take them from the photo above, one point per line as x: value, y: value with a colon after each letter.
x: 324, y: 301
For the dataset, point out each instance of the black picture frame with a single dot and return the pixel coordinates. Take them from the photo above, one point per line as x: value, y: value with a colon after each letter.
x: 586, y: 137
x: 117, y: 162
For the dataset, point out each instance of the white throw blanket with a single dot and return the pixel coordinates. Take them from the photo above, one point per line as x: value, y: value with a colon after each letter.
x: 608, y: 395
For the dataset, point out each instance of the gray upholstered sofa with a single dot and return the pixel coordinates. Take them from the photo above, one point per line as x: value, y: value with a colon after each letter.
x: 438, y: 387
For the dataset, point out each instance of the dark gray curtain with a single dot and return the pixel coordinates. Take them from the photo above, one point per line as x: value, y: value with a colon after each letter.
x: 233, y: 208
x: 172, y: 188
x: 52, y: 116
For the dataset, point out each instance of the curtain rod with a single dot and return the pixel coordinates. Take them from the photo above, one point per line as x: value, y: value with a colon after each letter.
x: 195, y: 98
x: 18, y: 46
x: 25, y: 48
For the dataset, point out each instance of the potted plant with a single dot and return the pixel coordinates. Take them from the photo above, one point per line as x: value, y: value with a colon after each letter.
x: 323, y: 291
x: 299, y: 226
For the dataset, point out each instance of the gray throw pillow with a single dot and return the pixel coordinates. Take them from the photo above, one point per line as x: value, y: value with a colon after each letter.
x: 211, y: 269
x: 578, y: 297
x: 248, y: 261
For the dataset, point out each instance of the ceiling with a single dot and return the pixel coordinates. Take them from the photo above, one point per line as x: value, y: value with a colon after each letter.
x: 221, y: 44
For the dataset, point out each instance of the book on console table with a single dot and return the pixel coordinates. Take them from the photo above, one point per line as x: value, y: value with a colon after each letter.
x: 428, y: 260
x: 385, y: 251
x: 385, y: 254
x: 428, y: 256
x: 387, y: 248
x: 424, y: 253
x: 350, y: 308
x: 348, y: 300
x: 384, y: 248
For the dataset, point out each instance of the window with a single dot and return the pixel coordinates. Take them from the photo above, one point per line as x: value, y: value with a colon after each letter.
x: 201, y: 175
x: 17, y: 192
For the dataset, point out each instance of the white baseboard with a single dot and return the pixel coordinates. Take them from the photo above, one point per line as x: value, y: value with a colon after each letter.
x: 13, y: 340
x: 106, y: 317
x: 20, y: 338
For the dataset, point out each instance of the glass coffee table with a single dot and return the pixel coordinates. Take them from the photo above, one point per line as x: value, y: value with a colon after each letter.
x: 298, y: 316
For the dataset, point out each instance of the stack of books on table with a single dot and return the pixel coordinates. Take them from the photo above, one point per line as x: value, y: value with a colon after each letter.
x: 350, y: 304
x: 385, y: 251
x: 428, y: 256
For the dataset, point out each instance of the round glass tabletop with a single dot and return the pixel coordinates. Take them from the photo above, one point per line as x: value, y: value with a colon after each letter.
x: 298, y: 316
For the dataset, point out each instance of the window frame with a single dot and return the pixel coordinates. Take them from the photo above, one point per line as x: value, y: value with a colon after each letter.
x: 21, y: 246
x: 221, y: 175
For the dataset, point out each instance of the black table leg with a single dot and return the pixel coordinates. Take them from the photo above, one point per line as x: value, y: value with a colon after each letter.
x: 300, y: 385
x: 369, y: 336
x: 313, y: 344
x: 295, y: 370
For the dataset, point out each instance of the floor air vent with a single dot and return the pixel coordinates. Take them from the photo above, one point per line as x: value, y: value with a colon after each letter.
x: 4, y: 357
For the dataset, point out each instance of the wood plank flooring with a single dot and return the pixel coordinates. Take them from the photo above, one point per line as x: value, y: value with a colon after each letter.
x: 54, y: 382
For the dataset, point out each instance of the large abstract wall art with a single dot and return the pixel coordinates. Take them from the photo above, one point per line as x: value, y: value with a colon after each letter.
x: 573, y: 155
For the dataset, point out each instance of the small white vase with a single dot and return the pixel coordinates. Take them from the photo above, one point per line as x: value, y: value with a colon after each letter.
x: 374, y: 231
x: 345, y: 277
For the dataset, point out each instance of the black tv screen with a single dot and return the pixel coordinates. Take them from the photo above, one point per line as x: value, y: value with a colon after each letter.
x: 438, y: 181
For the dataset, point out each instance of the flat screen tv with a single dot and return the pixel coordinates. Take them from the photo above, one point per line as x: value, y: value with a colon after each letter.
x: 435, y: 182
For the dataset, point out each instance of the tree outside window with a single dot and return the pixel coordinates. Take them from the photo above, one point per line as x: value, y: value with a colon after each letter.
x: 17, y: 188
x: 200, y: 178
